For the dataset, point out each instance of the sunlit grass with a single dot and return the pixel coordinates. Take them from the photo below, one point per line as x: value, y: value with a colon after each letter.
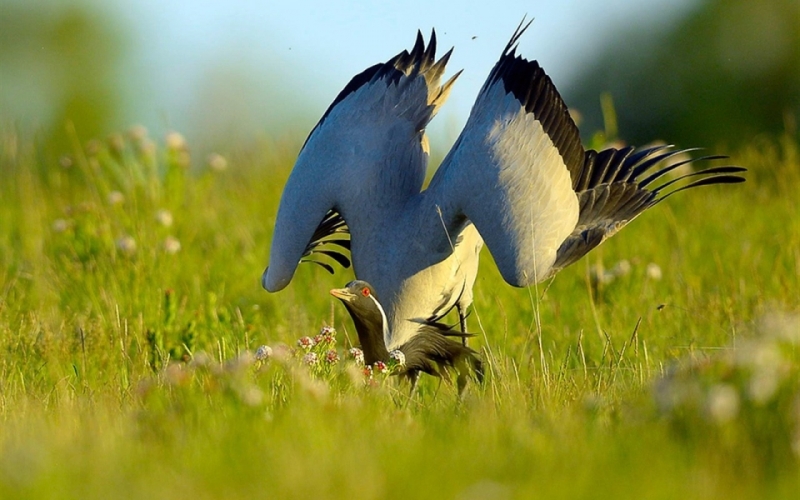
x: 665, y: 364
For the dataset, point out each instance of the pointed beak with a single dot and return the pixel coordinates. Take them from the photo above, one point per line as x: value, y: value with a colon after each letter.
x: 342, y: 294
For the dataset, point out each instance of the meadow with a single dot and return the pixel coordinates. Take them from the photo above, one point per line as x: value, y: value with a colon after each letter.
x: 666, y: 364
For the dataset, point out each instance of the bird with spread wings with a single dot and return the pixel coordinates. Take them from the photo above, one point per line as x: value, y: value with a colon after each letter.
x: 517, y: 179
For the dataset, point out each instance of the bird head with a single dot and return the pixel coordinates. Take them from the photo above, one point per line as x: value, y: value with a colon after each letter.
x: 360, y: 300
x: 369, y: 317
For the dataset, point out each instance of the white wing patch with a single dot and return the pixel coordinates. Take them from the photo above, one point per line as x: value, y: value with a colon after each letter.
x: 506, y: 175
x: 542, y: 207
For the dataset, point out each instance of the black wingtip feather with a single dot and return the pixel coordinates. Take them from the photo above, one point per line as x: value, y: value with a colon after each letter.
x: 511, y: 46
x: 537, y: 94
x: 419, y: 47
x: 610, y: 193
x: 338, y: 257
x: 420, y: 61
x: 323, y: 265
x: 430, y: 53
x: 332, y: 224
x: 707, y: 181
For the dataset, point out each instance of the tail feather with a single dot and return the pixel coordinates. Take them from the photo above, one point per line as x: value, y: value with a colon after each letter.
x: 433, y: 352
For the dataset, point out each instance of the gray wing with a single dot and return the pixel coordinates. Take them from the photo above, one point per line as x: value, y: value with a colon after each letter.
x: 520, y: 174
x: 510, y: 172
x: 376, y: 122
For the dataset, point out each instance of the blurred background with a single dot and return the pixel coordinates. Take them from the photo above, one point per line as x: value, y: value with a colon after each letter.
x: 225, y: 74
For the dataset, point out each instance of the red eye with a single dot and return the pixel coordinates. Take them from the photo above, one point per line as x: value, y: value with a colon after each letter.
x: 365, y: 292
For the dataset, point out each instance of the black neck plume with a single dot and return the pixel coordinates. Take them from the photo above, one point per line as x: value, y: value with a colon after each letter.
x: 370, y: 335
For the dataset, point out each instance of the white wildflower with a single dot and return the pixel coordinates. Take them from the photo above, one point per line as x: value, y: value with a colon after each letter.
x: 115, y: 198
x: 332, y: 357
x: 306, y: 343
x: 622, y: 268
x: 137, y: 133
x: 311, y: 359
x: 251, y: 395
x: 263, y: 353
x: 654, y: 271
x: 723, y: 403
x: 763, y: 385
x: 164, y: 217
x: 60, y: 225
x: 175, y: 141
x: 172, y: 245
x: 201, y: 359
x: 126, y: 244
x: 599, y: 275
x: 357, y: 355
x: 217, y: 162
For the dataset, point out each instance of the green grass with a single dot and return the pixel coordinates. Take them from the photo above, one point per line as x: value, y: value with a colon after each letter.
x: 124, y: 372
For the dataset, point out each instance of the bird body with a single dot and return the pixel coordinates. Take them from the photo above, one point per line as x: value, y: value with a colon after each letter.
x: 517, y: 179
x: 430, y: 351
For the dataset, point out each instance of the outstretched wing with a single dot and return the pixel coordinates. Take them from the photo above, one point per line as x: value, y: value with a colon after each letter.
x: 510, y: 172
x: 519, y: 173
x: 614, y: 187
x: 375, y: 124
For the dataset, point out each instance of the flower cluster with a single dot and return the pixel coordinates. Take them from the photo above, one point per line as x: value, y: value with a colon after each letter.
x: 311, y: 359
x: 599, y: 275
x: 263, y: 353
x: 306, y: 343
x: 104, y: 223
x: 318, y: 355
x: 357, y: 355
x: 744, y: 395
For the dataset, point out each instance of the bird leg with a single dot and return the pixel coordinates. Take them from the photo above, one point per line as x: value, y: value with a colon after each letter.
x: 413, y: 378
x: 462, y: 322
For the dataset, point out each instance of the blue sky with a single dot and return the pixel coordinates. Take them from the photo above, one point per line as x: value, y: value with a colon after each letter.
x: 244, y: 66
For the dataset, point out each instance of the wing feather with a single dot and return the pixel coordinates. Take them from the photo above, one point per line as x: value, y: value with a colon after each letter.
x: 614, y: 194
x: 512, y: 169
x: 367, y: 147
x: 520, y: 174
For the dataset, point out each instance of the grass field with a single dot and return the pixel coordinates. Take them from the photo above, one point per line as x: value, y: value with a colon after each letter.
x: 131, y: 309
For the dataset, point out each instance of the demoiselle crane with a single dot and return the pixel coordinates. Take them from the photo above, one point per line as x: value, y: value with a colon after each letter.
x: 517, y: 179
x: 431, y: 350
